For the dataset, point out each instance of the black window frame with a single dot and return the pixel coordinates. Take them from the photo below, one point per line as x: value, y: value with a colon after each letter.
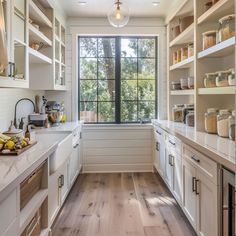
x: 118, y: 77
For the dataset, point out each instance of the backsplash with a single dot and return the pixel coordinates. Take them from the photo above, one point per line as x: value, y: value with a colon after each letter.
x: 8, y: 99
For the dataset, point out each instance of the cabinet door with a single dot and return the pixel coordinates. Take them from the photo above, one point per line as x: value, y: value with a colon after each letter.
x: 177, y: 179
x: 207, y: 206
x: 53, y: 196
x: 64, y: 182
x: 162, y: 158
x: 169, y: 170
x: 74, y: 163
x: 189, y: 194
x: 157, y: 156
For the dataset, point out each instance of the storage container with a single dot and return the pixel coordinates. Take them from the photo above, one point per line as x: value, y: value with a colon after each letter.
x: 210, y: 80
x: 179, y: 56
x: 184, y: 53
x: 34, y: 227
x: 223, y: 123
x: 190, y: 50
x: 231, y: 77
x: 184, y: 83
x: 209, y: 39
x: 30, y: 186
x: 175, y: 57
x: 190, y: 119
x: 176, y: 85
x: 222, y: 79
x: 211, y: 121
x: 185, y: 22
x: 175, y: 31
x: 232, y: 126
x: 227, y: 27
x: 190, y: 82
x: 186, y: 109
x: 177, y: 113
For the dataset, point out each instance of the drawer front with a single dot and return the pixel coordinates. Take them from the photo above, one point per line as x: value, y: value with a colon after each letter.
x: 174, y: 144
x: 8, y: 211
x: 205, y: 164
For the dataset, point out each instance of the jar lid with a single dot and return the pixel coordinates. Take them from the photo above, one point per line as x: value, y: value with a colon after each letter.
x: 211, y: 110
x: 175, y: 82
x: 209, y: 74
x: 225, y: 18
x: 222, y: 72
x: 210, y: 32
x: 189, y: 105
x: 224, y: 112
x: 191, y: 112
x: 179, y: 105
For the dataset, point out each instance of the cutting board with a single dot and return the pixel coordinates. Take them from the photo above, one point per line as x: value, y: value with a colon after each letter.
x: 19, y: 151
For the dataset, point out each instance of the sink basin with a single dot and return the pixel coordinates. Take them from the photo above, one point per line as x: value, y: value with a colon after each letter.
x: 63, y: 150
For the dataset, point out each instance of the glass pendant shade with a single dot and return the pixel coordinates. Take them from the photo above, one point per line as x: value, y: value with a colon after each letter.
x: 118, y: 16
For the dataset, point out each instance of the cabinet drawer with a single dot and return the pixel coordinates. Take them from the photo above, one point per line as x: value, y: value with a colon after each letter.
x: 8, y: 211
x: 173, y: 144
x: 205, y: 164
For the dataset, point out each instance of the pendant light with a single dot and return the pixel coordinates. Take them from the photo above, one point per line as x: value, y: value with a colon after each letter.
x: 118, y: 16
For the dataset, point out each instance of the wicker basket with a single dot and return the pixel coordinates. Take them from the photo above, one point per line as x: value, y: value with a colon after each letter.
x: 34, y: 227
x: 30, y: 186
x: 185, y: 22
x: 175, y: 31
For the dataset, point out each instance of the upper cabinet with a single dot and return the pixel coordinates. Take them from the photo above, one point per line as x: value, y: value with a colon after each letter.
x: 15, y: 15
x: 35, y: 58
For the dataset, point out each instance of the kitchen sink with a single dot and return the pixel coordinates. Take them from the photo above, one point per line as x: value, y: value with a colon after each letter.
x: 63, y: 150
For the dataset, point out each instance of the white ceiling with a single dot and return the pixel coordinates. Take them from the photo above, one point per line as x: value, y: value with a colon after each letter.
x: 100, y: 8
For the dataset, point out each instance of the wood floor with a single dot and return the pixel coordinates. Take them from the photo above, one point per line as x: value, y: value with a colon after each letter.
x: 131, y: 204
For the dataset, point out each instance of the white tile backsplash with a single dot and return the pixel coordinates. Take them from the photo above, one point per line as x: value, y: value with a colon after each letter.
x: 8, y: 99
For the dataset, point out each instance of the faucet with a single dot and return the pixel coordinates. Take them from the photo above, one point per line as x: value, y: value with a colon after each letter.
x: 22, y: 99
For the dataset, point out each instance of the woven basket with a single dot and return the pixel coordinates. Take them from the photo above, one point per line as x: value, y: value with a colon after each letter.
x: 185, y: 22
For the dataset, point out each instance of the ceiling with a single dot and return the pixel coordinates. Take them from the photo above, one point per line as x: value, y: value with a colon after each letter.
x: 100, y: 8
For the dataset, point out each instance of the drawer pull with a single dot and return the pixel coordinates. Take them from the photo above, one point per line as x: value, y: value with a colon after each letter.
x: 197, y: 187
x: 76, y: 146
x: 157, y: 146
x: 172, y: 143
x: 158, y: 132
x: 194, y: 184
x: 171, y: 160
x: 195, y: 159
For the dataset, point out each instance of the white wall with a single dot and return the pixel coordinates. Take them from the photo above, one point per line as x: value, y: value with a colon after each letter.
x: 8, y: 99
x: 100, y: 26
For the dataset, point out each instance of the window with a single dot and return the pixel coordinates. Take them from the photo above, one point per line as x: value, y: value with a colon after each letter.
x: 117, y: 79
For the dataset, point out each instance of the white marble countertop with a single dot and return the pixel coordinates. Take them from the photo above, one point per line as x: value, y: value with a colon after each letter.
x: 14, y: 169
x: 221, y: 150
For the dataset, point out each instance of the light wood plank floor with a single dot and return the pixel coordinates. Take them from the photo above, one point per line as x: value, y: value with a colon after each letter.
x: 131, y: 204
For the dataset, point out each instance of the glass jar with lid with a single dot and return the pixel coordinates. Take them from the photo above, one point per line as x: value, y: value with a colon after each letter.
x: 184, y: 53
x: 231, y: 77
x: 186, y: 109
x: 209, y: 39
x: 211, y: 121
x: 210, y: 80
x: 177, y: 113
x: 227, y: 27
x: 190, y: 118
x: 232, y: 126
x: 190, y: 50
x: 184, y: 83
x: 223, y: 123
x: 222, y: 79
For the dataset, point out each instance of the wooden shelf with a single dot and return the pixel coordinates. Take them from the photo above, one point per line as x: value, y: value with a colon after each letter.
x: 225, y: 48
x: 217, y: 90
x: 28, y: 212
x: 37, y: 36
x: 220, y: 9
x: 38, y: 16
x: 182, y: 92
x: 187, y: 36
x: 37, y: 57
x: 183, y: 64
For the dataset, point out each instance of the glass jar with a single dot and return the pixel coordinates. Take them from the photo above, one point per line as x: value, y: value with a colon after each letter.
x: 177, y: 113
x: 176, y: 85
x: 190, y: 82
x: 222, y: 79
x: 210, y: 80
x: 190, y: 50
x: 190, y: 118
x: 227, y: 27
x: 223, y: 123
x: 231, y: 77
x: 186, y: 109
x: 184, y: 83
x: 211, y: 121
x: 184, y: 53
x: 179, y: 56
x: 232, y: 126
x: 209, y: 39
x: 175, y: 58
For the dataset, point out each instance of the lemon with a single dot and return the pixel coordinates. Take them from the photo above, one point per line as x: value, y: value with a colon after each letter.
x: 24, y: 143
x: 10, y: 145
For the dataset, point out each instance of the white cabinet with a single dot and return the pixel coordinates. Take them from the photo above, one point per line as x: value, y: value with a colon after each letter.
x: 64, y: 182
x: 74, y: 163
x: 177, y: 178
x: 169, y: 161
x: 200, y: 192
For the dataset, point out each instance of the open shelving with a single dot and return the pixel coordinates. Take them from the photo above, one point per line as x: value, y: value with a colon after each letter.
x: 183, y: 64
x: 218, y: 90
x: 182, y: 92
x: 37, y: 57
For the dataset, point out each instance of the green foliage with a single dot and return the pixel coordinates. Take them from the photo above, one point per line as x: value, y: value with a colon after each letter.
x: 138, y: 84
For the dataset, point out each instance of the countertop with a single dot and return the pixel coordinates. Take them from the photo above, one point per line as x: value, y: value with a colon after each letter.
x: 14, y: 169
x: 221, y: 150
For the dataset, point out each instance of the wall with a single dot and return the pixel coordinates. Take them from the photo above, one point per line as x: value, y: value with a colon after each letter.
x: 100, y: 26
x: 8, y: 99
x: 117, y: 148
